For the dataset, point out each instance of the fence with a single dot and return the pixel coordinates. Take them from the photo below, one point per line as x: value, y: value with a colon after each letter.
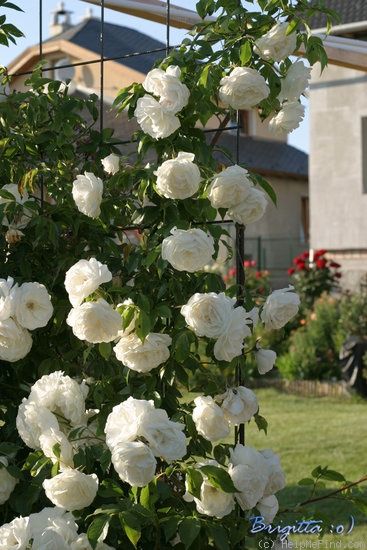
x: 305, y: 388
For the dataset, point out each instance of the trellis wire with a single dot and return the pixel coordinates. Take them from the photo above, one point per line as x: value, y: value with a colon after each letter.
x: 240, y: 230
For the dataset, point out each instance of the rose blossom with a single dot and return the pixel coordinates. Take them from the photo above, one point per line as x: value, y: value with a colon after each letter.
x: 33, y: 419
x: 249, y: 472
x: 288, y: 118
x: 95, y: 322
x: 173, y: 94
x: 276, y: 479
x: 7, y: 481
x: 7, y: 295
x: 280, y: 306
x: 276, y: 45
x: 164, y: 437
x: 15, y: 341
x: 15, y: 535
x: 243, y: 88
x: 230, y: 343
x: 87, y: 194
x: 265, y: 360
x: 62, y: 395
x: 71, y: 489
x: 188, y: 250
x: 111, y: 164
x: 268, y: 508
x: 13, y: 236
x: 21, y: 220
x: 209, y: 419
x: 52, y: 527
x: 143, y: 356
x: 124, y: 422
x: 32, y: 306
x: 178, y: 178
x: 51, y: 437
x: 85, y: 277
x: 208, y: 314
x: 212, y: 502
x: 295, y: 82
x: 251, y: 209
x: 238, y: 404
x: 134, y: 462
x: 230, y: 187
x: 154, y: 119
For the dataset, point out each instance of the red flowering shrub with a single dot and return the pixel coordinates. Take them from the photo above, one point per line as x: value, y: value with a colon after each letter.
x: 315, y: 276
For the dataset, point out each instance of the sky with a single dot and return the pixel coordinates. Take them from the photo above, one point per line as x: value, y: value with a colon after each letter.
x: 27, y: 22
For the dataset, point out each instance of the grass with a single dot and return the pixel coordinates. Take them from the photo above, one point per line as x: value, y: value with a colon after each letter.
x: 307, y: 432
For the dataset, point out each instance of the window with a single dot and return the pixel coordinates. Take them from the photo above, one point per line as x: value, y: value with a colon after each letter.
x: 305, y: 219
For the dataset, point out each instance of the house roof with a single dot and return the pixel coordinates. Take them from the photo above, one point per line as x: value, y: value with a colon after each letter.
x: 118, y: 41
x: 266, y: 157
x: 349, y: 11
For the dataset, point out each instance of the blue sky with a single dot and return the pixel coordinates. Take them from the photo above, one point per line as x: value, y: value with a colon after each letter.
x: 28, y: 23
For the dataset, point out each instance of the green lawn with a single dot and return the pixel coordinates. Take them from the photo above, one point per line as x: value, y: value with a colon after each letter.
x: 307, y: 432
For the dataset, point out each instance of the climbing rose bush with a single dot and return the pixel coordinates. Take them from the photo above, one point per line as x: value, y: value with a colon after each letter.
x: 107, y: 307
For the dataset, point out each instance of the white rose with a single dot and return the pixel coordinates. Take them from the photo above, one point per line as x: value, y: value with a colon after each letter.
x: 13, y: 236
x: 33, y: 419
x: 188, y: 250
x: 15, y: 535
x: 295, y: 82
x: 275, y: 44
x: 164, y: 437
x: 71, y: 489
x: 51, y: 437
x: 85, y: 277
x: 276, y: 480
x: 178, y: 178
x: 230, y: 343
x: 134, y: 462
x: 7, y: 295
x: 208, y: 314
x: 87, y: 194
x: 62, y: 395
x: 21, y: 220
x: 173, y: 94
x: 124, y: 422
x: 95, y: 322
x: 268, y: 508
x: 230, y: 187
x: 243, y: 88
x: 143, y: 356
x: 249, y: 472
x: 288, y: 118
x: 209, y: 419
x: 238, y: 404
x: 111, y: 164
x: 251, y: 209
x: 52, y: 528
x: 7, y: 481
x: 265, y: 360
x: 15, y: 341
x: 154, y: 119
x: 32, y: 305
x: 280, y: 307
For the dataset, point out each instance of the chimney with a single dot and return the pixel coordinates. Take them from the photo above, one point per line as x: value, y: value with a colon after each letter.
x: 60, y: 20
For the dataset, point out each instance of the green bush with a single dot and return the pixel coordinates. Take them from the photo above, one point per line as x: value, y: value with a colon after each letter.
x: 352, y: 318
x: 313, y: 348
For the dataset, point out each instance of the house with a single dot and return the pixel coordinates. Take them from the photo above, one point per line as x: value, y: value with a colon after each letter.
x: 283, y: 232
x: 338, y: 153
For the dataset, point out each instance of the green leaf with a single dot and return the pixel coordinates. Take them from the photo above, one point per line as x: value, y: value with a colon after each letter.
x: 95, y: 529
x: 306, y: 481
x: 194, y: 480
x: 219, y: 536
x: 219, y: 478
x: 131, y: 526
x: 143, y: 325
x: 261, y: 423
x: 189, y: 530
x: 266, y: 186
x: 291, y: 26
x: 105, y: 350
x: 332, y: 475
x: 245, y: 53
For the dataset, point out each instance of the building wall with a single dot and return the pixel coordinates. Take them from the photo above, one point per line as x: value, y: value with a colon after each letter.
x: 338, y: 201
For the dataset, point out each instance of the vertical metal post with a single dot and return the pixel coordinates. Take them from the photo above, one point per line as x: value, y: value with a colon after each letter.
x: 101, y: 88
x: 40, y: 45
x: 240, y: 279
x: 168, y: 25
